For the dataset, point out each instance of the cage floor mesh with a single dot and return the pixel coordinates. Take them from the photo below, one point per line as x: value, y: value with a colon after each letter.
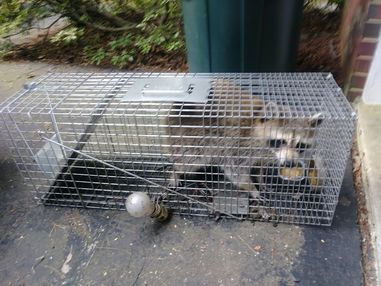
x: 90, y: 184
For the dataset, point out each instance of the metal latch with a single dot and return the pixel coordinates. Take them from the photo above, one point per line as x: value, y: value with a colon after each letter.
x: 169, y: 90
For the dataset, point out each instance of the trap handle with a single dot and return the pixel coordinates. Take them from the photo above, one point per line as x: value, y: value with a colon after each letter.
x: 170, y: 89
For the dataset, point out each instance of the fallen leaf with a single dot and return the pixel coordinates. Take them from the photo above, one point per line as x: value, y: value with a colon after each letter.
x: 257, y: 248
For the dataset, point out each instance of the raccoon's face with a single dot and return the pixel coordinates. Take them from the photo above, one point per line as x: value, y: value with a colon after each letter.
x: 288, y: 139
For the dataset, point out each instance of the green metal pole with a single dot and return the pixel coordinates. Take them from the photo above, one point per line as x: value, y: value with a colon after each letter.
x: 241, y: 35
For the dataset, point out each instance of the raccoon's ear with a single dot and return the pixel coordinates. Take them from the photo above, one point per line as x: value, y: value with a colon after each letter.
x: 316, y: 120
x: 270, y: 110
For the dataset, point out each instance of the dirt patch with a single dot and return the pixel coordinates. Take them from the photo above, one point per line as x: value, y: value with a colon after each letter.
x: 369, y: 271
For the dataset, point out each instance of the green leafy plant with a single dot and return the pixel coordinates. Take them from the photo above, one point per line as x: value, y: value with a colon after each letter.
x: 95, y: 56
x: 122, y: 59
x: 19, y: 16
x: 107, y: 31
x: 340, y: 3
x: 68, y: 35
x: 5, y: 48
x: 121, y: 42
x: 310, y: 4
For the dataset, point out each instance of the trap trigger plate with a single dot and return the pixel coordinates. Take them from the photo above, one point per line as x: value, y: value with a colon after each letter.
x: 237, y: 206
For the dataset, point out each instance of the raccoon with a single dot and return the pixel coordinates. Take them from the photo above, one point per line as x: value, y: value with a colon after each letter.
x: 236, y: 131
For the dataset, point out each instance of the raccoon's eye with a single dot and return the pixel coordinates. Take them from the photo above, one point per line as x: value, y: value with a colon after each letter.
x: 276, y: 143
x: 302, y: 147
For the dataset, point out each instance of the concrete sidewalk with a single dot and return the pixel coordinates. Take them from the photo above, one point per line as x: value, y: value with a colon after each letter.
x: 369, y: 141
x: 13, y: 75
x: 50, y: 246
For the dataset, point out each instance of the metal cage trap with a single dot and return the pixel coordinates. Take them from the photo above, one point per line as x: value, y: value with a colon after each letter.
x: 265, y: 146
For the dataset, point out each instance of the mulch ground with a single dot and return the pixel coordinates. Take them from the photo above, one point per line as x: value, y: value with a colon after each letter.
x: 319, y: 43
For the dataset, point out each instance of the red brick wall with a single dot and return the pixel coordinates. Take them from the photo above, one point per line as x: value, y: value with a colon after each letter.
x: 358, y: 40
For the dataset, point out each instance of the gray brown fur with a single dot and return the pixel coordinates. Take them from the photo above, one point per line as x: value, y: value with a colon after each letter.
x: 231, y: 131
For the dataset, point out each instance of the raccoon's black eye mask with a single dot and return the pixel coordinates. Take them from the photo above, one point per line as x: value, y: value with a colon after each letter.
x: 276, y: 143
x: 301, y: 147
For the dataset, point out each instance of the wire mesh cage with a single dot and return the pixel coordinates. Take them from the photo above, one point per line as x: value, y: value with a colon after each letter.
x: 264, y: 146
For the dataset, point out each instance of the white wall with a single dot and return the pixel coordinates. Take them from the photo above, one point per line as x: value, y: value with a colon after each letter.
x: 372, y: 89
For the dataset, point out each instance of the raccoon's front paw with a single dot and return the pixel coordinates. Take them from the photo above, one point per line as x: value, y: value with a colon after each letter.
x: 254, y: 194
